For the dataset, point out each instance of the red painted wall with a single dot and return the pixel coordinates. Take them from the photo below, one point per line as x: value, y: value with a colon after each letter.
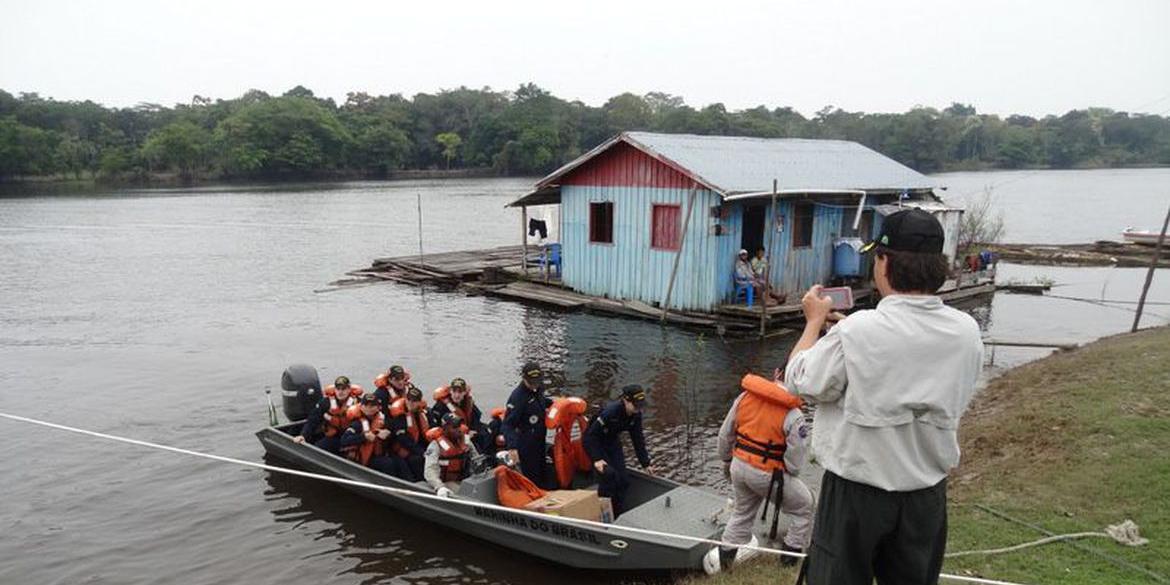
x: 625, y: 166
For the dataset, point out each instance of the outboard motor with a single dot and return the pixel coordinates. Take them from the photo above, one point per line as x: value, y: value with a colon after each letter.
x: 301, y: 390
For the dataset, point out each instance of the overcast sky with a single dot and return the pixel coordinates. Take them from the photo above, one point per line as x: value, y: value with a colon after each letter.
x: 1003, y: 57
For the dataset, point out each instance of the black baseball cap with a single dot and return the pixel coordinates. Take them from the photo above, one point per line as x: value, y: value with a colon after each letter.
x: 459, y: 383
x: 397, y: 372
x: 634, y: 393
x: 341, y: 381
x: 910, y: 230
x: 532, y: 371
x: 452, y: 420
x: 370, y: 399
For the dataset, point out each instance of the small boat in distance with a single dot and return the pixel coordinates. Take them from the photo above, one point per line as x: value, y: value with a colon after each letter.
x: 1143, y: 237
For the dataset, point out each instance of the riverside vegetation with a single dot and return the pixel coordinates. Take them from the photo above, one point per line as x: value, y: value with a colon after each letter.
x: 523, y: 132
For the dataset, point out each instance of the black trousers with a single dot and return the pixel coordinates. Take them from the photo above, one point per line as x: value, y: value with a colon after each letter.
x: 862, y: 533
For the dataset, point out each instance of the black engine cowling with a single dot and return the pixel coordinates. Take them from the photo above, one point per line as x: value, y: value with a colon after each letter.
x: 301, y: 389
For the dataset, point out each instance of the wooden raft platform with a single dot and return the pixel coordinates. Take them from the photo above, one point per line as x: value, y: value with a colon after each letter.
x: 499, y: 272
x: 1100, y: 253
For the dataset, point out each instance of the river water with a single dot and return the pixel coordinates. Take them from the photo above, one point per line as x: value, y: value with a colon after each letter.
x: 163, y: 315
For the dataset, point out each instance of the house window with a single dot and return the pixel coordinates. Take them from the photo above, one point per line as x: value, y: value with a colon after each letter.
x: 665, y: 231
x: 802, y: 225
x: 601, y: 222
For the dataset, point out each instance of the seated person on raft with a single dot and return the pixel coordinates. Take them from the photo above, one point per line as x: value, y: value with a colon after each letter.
x: 329, y: 416
x: 408, y: 427
x: 456, y: 398
x: 449, y: 455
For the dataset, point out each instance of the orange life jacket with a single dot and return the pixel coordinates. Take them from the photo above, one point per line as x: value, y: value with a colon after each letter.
x: 362, y: 453
x: 452, y: 454
x: 759, y: 422
x: 416, y: 422
x: 383, y: 381
x: 337, y: 418
x: 514, y: 490
x: 443, y: 394
x: 567, y: 417
x: 498, y: 418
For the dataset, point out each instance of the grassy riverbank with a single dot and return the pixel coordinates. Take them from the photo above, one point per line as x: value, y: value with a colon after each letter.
x: 1070, y: 443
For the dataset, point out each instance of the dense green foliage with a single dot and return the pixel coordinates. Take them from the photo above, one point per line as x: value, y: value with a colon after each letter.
x: 527, y: 131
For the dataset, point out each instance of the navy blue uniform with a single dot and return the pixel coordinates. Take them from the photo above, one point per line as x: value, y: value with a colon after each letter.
x: 603, y: 442
x: 412, y: 451
x: 524, y: 431
x: 313, y: 427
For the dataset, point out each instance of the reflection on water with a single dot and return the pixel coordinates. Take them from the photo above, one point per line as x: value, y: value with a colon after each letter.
x: 165, y: 314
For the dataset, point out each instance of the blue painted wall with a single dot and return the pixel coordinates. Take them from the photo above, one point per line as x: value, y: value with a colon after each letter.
x: 629, y: 268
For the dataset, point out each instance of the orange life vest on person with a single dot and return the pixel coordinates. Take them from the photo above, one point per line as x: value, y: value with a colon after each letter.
x: 452, y: 454
x: 416, y: 422
x: 368, y: 449
x: 443, y: 394
x: 337, y: 417
x: 759, y: 422
x: 567, y: 417
x: 383, y: 381
x: 498, y: 418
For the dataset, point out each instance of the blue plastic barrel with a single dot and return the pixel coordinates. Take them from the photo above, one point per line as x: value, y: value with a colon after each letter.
x: 847, y: 257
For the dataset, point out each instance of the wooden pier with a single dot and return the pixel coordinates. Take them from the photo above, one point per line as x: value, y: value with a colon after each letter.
x: 1100, y: 253
x: 516, y: 273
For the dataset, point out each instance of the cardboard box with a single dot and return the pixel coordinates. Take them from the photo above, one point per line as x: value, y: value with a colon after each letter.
x: 606, y: 510
x: 583, y: 504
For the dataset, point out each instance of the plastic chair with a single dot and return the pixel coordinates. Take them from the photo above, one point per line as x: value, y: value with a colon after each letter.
x: 744, y: 289
x: 551, y: 257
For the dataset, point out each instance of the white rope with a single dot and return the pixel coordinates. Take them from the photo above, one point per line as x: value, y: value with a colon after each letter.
x: 429, y: 496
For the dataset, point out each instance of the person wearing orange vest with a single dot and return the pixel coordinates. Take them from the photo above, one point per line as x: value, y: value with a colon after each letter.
x: 329, y: 417
x: 495, y: 442
x: 762, y: 445
x: 391, y: 385
x: 449, y: 455
x: 408, y: 427
x: 456, y: 398
x: 602, y: 442
x: 362, y: 441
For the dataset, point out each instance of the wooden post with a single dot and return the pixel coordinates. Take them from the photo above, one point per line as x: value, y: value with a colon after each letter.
x: 681, y: 244
x: 1150, y: 274
x: 768, y: 237
x: 420, y: 246
x: 524, y: 239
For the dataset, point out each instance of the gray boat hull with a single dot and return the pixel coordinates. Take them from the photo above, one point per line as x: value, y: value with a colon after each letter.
x: 656, y: 504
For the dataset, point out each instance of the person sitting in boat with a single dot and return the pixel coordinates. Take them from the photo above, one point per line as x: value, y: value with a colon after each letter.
x: 363, y: 439
x: 408, y: 427
x: 603, y: 443
x: 449, y: 455
x: 329, y: 417
x: 762, y: 445
x: 523, y: 424
x: 391, y: 385
x: 456, y: 398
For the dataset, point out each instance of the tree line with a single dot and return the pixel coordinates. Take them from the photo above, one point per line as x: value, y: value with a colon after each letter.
x: 528, y: 131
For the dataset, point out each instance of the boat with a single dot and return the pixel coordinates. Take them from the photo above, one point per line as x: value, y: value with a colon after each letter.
x: 653, y: 503
x: 1143, y: 237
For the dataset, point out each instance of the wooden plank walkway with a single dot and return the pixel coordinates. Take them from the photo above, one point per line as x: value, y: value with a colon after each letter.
x: 499, y: 272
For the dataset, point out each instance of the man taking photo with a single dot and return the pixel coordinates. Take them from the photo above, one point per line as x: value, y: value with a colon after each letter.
x: 890, y: 385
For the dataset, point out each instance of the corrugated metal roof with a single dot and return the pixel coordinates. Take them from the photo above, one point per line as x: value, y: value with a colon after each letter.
x: 737, y: 164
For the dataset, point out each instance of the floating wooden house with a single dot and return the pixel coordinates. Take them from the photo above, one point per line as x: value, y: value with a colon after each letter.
x: 645, y: 216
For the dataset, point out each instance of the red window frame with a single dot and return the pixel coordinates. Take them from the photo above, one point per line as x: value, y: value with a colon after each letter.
x: 665, y: 226
x: 601, y: 222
